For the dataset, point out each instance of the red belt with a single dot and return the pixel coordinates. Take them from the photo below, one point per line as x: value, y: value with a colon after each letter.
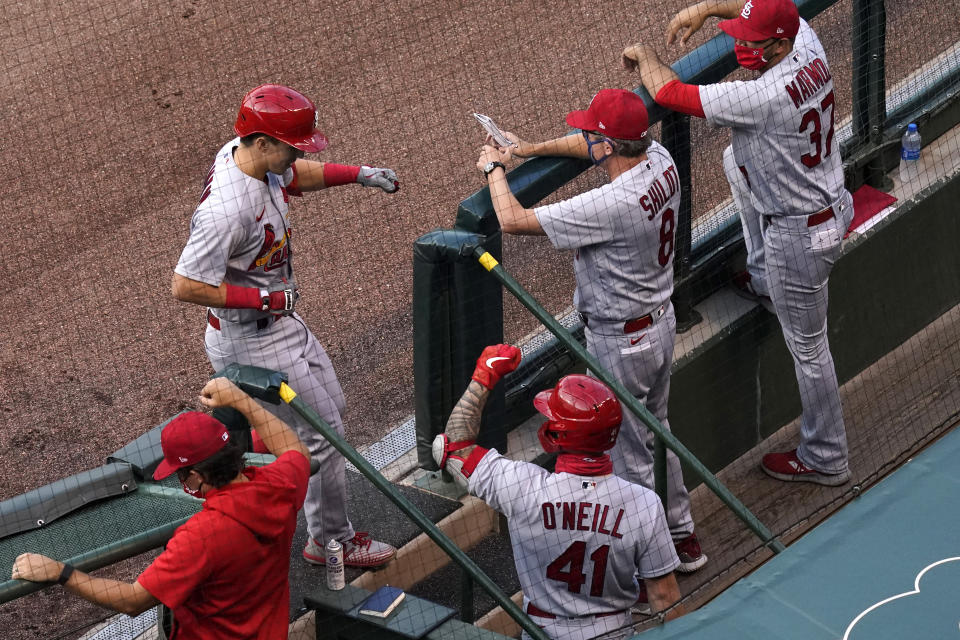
x: 634, y: 325
x: 534, y: 610
x: 641, y: 323
x: 262, y: 323
x: 822, y: 216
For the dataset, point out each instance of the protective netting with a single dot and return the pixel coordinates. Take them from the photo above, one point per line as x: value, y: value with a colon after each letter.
x: 116, y: 112
x: 735, y: 387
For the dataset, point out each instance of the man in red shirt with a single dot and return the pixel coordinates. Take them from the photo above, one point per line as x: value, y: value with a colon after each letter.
x: 224, y: 573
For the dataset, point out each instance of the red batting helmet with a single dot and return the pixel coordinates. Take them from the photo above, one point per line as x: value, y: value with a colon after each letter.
x: 582, y: 415
x: 282, y: 113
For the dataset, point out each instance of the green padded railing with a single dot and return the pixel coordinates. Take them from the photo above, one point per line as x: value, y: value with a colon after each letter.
x: 98, y: 535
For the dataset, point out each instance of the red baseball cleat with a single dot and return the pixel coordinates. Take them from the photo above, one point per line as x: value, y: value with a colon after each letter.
x: 690, y: 554
x: 786, y: 466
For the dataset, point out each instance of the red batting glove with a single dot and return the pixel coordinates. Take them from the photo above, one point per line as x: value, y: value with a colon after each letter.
x: 496, y: 361
x: 282, y: 302
x: 279, y: 302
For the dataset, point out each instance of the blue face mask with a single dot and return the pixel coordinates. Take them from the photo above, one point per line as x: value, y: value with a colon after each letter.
x: 590, y: 143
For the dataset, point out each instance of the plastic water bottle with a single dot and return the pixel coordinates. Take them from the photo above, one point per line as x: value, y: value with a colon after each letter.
x: 910, y: 155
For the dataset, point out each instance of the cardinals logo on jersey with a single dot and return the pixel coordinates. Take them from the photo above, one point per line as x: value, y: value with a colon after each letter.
x: 273, y: 253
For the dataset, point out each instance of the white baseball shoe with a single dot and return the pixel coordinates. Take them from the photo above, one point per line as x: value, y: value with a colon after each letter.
x: 642, y: 605
x: 359, y: 551
x: 743, y: 287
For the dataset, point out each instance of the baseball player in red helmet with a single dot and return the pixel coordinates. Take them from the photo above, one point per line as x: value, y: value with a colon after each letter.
x: 622, y: 235
x: 787, y: 175
x: 238, y: 262
x: 224, y: 573
x: 581, y: 536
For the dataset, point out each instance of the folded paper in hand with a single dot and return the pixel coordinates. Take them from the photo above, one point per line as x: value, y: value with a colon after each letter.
x: 493, y: 130
x: 382, y: 602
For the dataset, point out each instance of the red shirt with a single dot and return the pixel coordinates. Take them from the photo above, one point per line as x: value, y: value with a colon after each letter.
x: 224, y: 573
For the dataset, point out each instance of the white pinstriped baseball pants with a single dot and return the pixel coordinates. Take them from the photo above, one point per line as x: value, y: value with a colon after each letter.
x: 644, y: 369
x: 749, y: 220
x: 613, y: 627
x: 288, y: 345
x: 798, y: 262
x: 791, y: 263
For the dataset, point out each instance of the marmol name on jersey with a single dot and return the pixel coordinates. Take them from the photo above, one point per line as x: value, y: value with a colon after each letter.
x: 581, y: 516
x: 808, y: 81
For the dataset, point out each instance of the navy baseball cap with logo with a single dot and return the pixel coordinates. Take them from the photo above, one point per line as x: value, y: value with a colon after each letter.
x: 616, y: 113
x: 761, y: 20
x: 189, y: 438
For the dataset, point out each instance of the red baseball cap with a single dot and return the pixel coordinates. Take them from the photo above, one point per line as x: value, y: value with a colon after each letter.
x: 616, y: 113
x: 764, y: 19
x: 189, y: 438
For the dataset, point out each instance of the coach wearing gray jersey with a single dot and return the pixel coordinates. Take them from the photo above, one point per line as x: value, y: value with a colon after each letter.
x: 782, y: 143
x: 622, y: 235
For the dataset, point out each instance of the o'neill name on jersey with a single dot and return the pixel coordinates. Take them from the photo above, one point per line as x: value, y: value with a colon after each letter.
x: 582, y: 516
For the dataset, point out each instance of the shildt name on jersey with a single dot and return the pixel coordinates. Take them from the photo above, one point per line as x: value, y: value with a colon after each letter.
x: 658, y: 196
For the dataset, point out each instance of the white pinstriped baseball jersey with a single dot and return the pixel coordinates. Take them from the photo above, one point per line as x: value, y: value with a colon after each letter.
x: 578, y: 541
x: 783, y: 130
x: 623, y: 234
x: 240, y: 233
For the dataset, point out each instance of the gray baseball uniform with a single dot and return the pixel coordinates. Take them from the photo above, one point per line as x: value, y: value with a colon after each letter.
x: 240, y: 234
x: 579, y: 542
x: 785, y: 156
x: 744, y: 200
x: 623, y: 237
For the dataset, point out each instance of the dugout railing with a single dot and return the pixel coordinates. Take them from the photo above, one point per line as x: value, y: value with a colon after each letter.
x: 458, y: 308
x: 453, y: 327
x: 116, y: 511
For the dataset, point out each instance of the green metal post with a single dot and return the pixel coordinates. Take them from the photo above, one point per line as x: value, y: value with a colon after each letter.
x: 426, y: 525
x: 869, y: 86
x: 675, y: 131
x: 660, y: 471
x: 466, y: 598
x: 738, y: 508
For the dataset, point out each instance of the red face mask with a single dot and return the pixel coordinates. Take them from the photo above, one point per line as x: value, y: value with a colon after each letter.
x: 750, y: 57
x: 196, y: 493
x: 191, y: 492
